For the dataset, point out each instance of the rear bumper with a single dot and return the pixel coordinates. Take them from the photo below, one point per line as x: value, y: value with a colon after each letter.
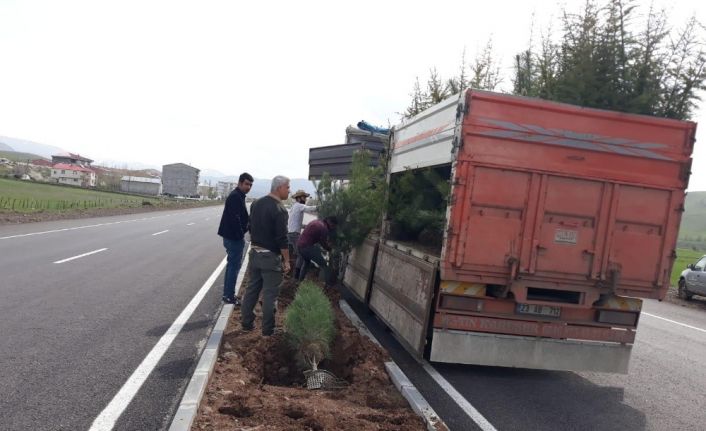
x: 463, y: 347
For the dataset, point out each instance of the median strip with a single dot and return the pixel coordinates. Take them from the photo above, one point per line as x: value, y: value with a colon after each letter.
x: 415, y: 399
x: 81, y: 255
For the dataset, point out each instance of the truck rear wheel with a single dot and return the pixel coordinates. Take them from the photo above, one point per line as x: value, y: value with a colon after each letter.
x: 683, y: 292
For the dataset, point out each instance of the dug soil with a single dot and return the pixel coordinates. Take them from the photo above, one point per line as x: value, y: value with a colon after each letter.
x: 257, y: 384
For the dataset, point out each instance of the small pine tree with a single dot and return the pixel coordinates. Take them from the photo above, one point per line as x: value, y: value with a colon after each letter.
x: 436, y: 90
x: 418, y: 103
x: 417, y: 207
x: 309, y: 325
x: 485, y: 71
x: 457, y: 84
x: 357, y: 205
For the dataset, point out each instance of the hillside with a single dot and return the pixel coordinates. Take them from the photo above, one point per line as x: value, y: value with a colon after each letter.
x: 5, y: 147
x: 21, y: 145
x: 16, y: 156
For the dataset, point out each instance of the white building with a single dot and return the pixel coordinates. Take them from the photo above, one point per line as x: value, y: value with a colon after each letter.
x: 141, y: 185
x: 74, y: 175
x: 223, y: 188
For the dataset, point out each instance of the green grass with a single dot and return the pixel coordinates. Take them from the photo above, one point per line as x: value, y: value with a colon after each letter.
x: 693, y: 223
x: 684, y: 257
x: 26, y: 196
x: 19, y: 157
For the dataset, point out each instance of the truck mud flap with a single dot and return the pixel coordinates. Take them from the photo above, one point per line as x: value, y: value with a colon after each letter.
x: 462, y: 347
x: 359, y: 269
x: 401, y: 295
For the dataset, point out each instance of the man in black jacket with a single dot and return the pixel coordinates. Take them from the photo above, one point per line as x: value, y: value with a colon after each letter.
x: 269, y: 256
x: 235, y: 222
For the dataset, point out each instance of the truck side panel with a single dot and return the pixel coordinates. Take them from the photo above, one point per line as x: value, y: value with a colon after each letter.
x: 359, y: 270
x: 402, y: 294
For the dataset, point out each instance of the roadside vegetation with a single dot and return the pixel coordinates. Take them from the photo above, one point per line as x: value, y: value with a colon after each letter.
x: 606, y: 54
x: 692, y: 233
x: 30, y: 197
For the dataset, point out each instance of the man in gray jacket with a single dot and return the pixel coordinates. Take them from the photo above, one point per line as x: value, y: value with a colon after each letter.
x: 269, y: 255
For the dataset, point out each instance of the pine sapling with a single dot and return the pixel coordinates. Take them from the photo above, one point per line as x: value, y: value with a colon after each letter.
x: 309, y: 324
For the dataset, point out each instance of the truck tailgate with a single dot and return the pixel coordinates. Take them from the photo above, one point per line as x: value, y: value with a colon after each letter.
x: 548, y: 194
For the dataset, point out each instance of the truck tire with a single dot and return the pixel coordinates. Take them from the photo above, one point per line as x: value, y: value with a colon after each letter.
x: 683, y: 292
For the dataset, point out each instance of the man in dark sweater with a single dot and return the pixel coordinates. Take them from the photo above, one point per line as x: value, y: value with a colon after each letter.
x: 269, y: 255
x: 315, y: 236
x: 234, y: 224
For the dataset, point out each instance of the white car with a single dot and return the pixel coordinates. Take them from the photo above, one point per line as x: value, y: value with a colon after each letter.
x: 692, y: 280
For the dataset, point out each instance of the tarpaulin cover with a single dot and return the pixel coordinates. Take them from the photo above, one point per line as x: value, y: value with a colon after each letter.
x: 370, y: 128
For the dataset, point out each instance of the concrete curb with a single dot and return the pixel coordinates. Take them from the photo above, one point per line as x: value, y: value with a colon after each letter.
x: 189, y: 405
x: 416, y: 400
x: 186, y: 413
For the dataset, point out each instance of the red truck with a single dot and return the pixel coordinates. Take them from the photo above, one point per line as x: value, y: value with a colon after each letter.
x: 559, y: 219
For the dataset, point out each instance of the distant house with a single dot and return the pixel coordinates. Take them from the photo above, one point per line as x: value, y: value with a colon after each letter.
x: 205, y: 191
x: 71, y: 159
x: 141, y: 185
x: 74, y: 175
x: 42, y: 162
x: 179, y: 179
x: 223, y: 188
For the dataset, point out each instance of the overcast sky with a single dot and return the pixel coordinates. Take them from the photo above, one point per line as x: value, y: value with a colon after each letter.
x: 234, y: 86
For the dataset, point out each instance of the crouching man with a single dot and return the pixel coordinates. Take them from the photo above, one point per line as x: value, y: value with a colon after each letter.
x: 315, y: 237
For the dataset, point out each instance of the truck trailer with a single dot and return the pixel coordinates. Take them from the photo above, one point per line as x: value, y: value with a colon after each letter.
x: 558, y: 221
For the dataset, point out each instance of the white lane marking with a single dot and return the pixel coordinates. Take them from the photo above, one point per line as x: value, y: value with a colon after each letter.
x: 190, y: 224
x: 107, y: 418
x: 159, y: 233
x: 462, y: 402
x: 83, y: 227
x: 208, y: 219
x: 675, y: 322
x: 81, y: 255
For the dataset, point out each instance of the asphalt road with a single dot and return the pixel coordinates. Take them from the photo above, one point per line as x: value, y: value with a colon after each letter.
x: 72, y: 333
x: 665, y: 388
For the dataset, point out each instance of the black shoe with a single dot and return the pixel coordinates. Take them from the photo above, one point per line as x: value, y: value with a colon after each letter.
x: 234, y: 301
x: 246, y: 328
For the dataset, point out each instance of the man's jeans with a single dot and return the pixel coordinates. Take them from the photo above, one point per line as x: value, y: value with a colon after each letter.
x: 313, y: 254
x: 234, y: 249
x: 265, y: 272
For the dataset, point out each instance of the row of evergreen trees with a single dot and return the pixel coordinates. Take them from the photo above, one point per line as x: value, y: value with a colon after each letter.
x: 608, y: 55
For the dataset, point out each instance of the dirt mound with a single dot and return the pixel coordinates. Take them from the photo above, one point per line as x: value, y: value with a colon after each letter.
x: 257, y: 383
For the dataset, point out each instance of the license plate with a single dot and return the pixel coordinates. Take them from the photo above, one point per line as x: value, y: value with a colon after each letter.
x: 539, y: 310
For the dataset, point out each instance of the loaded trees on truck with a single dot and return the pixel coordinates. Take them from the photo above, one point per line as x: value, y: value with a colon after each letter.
x: 559, y: 219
